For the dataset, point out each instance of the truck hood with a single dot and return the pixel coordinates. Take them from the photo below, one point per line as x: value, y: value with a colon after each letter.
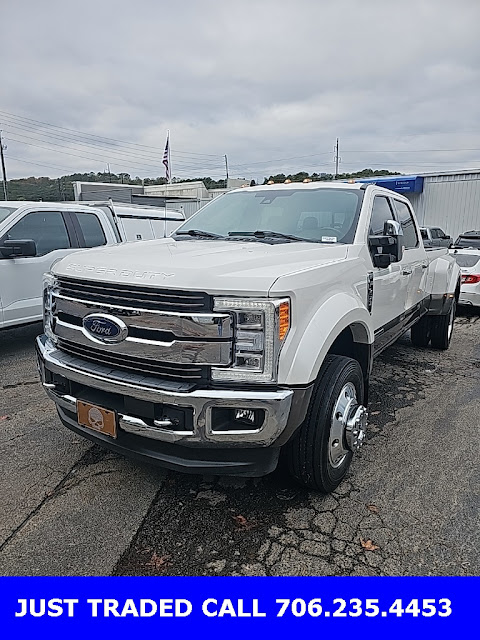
x: 213, y: 266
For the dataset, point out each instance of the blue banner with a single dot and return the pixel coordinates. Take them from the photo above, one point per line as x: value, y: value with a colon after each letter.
x: 252, y: 607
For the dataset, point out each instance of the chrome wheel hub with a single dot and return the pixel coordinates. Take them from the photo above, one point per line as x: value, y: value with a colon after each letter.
x: 355, y: 431
x: 348, y: 425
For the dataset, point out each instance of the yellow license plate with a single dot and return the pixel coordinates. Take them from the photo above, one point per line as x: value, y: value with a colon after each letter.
x: 97, y: 418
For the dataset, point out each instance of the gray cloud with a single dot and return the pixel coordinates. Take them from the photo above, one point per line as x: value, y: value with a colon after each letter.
x: 271, y: 84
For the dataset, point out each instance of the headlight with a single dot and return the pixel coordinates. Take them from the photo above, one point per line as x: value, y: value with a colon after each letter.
x: 261, y: 327
x: 49, y: 282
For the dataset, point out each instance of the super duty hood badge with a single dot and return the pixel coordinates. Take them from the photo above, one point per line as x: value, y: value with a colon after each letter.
x: 102, y: 327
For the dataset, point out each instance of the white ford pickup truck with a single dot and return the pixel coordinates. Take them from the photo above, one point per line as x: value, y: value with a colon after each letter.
x: 33, y: 235
x: 250, y: 332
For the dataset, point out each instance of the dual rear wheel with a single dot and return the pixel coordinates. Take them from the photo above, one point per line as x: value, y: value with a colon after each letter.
x: 435, y: 329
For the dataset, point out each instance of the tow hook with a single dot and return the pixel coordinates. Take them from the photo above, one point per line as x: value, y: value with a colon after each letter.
x: 355, y: 431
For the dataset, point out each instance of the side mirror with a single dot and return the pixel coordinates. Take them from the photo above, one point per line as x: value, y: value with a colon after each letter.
x: 18, y: 248
x: 392, y: 228
x: 383, y: 260
x: 391, y: 246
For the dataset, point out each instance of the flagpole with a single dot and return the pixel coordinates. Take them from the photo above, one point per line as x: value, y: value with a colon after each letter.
x: 169, y: 158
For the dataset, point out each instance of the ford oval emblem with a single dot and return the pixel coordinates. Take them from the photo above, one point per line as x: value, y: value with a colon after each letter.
x: 104, y: 328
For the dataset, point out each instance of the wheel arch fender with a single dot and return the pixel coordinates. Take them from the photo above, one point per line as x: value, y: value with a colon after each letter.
x: 339, y: 313
x: 446, y: 275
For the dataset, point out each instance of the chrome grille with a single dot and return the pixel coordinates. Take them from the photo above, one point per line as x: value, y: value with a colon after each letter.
x: 134, y: 297
x: 165, y: 370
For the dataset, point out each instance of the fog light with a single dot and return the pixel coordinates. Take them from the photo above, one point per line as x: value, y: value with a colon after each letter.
x: 245, y: 415
x: 231, y: 419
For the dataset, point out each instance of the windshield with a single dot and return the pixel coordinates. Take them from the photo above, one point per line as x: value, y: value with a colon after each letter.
x: 321, y: 215
x: 467, y: 242
x: 5, y: 212
x: 466, y: 260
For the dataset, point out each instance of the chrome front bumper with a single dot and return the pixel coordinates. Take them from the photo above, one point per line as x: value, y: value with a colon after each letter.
x: 276, y: 404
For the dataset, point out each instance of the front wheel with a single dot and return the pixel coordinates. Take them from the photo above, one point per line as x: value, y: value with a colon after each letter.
x: 320, y: 453
x: 442, y: 328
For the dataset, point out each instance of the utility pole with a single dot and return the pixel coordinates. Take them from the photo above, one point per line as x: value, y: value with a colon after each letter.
x: 109, y: 174
x: 226, y: 170
x: 4, y: 173
x: 336, y: 158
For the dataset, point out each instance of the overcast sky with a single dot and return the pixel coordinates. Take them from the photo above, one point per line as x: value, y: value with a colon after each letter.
x: 270, y: 83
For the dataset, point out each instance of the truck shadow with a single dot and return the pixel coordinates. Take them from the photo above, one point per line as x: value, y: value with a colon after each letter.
x: 20, y: 340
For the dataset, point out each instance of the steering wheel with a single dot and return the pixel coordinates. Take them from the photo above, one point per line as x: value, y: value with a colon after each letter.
x: 335, y: 231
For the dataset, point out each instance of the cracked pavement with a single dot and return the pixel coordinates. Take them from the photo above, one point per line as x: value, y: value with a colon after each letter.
x: 409, y: 506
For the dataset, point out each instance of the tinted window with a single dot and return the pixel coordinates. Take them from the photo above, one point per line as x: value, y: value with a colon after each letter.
x: 435, y: 233
x: 467, y: 241
x: 424, y: 233
x: 47, y: 229
x: 323, y: 215
x: 91, y: 229
x: 465, y: 260
x: 381, y: 212
x: 405, y: 218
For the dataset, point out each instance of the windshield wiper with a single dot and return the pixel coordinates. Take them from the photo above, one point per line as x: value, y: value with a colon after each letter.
x: 271, y: 234
x: 198, y: 233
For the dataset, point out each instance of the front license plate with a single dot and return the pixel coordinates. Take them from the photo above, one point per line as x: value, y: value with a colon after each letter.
x: 97, y: 418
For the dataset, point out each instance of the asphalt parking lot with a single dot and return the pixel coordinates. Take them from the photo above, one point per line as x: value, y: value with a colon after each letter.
x: 410, y: 505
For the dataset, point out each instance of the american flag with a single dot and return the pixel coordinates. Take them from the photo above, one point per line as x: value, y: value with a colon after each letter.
x: 166, y: 159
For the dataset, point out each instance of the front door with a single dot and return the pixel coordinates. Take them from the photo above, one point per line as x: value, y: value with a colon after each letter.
x: 21, y: 278
x: 388, y: 284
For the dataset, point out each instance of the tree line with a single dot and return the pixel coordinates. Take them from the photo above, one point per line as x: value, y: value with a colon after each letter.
x: 60, y: 189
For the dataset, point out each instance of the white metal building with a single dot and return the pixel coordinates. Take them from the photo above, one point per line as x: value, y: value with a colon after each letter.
x: 448, y: 199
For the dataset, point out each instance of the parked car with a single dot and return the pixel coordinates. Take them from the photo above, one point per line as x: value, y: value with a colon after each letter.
x: 467, y: 240
x: 469, y: 262
x: 435, y: 237
x: 251, y: 331
x: 33, y: 235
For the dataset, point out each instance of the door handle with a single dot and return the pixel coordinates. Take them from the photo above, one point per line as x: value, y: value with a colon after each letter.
x: 407, y: 271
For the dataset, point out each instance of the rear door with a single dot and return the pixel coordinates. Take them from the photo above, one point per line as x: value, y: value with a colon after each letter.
x: 21, y: 278
x: 414, y: 261
x: 88, y: 229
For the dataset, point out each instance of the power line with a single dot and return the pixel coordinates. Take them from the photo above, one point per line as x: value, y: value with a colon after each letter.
x: 106, y: 154
x: 90, y: 135
x: 39, y: 135
x: 51, y: 166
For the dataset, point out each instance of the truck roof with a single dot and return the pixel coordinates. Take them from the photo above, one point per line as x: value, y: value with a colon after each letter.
x: 307, y: 185
x: 42, y: 205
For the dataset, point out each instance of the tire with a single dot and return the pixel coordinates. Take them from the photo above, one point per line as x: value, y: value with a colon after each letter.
x: 442, y: 328
x: 420, y: 332
x: 310, y: 453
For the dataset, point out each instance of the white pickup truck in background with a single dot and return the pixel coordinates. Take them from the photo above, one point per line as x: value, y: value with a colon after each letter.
x: 250, y: 332
x: 33, y: 235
